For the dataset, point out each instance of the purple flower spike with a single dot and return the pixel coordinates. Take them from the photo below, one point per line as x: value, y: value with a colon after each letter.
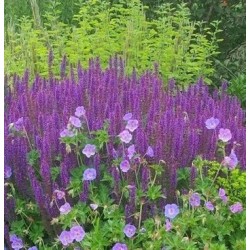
x: 131, y: 151
x: 230, y: 161
x: 127, y: 117
x: 77, y: 233
x: 212, y: 123
x: 171, y: 211
x: 75, y: 121
x: 236, y: 208
x: 132, y: 125
x: 80, y: 111
x: 150, y: 152
x: 65, y: 209
x: 89, y: 150
x: 125, y: 166
x: 209, y: 205
x: 129, y: 230
x: 89, y: 174
x: 195, y: 200
x: 67, y: 133
x: 168, y: 225
x: 7, y: 171
x: 66, y: 238
x: 225, y: 135
x: 125, y: 136
x: 120, y: 246
x: 33, y: 248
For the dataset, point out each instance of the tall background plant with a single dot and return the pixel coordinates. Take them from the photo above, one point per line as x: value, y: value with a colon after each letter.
x: 182, y: 48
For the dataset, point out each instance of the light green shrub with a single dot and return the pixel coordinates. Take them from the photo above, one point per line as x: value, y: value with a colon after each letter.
x: 183, y: 49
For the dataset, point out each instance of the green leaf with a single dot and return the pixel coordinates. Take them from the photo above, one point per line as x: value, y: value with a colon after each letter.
x: 55, y: 171
x: 18, y: 227
x: 36, y: 231
x: 154, y: 192
x: 33, y: 156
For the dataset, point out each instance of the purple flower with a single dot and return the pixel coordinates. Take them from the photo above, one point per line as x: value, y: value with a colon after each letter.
x: 150, y: 152
x: 93, y: 206
x: 120, y: 246
x: 18, y: 125
x: 65, y: 209
x: 132, y: 125
x: 125, y: 136
x: 195, y: 200
x: 89, y: 150
x: 168, y: 225
x: 230, y: 161
x: 224, y: 199
x: 131, y: 151
x: 222, y: 192
x: 59, y: 194
x: 89, y: 174
x: 236, y: 208
x: 77, y: 233
x: 222, y: 195
x: 225, y: 135
x: 13, y: 237
x: 7, y: 171
x: 129, y: 230
x: 33, y: 248
x: 171, y: 210
x: 67, y: 133
x: 209, y: 205
x: 127, y: 117
x: 125, y: 166
x: 80, y: 111
x: 17, y: 242
x: 212, y: 123
x: 75, y: 121
x: 66, y: 238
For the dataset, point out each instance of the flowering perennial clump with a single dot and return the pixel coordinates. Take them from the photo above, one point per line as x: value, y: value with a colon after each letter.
x: 50, y: 132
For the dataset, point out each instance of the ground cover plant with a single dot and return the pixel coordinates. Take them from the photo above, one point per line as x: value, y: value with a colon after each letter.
x: 182, y: 48
x: 101, y: 160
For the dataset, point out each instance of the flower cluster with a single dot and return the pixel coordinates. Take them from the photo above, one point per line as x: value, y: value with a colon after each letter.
x: 76, y: 233
x: 171, y: 126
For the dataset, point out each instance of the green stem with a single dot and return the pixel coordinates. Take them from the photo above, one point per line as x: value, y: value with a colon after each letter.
x: 154, y: 179
x: 201, y: 174
x: 216, y: 176
x: 120, y: 199
x: 26, y: 134
x: 139, y: 224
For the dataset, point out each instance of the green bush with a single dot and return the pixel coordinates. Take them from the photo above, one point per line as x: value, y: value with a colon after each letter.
x: 183, y: 49
x: 233, y: 181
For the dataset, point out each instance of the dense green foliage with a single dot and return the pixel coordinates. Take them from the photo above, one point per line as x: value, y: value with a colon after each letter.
x: 183, y: 49
x: 233, y: 181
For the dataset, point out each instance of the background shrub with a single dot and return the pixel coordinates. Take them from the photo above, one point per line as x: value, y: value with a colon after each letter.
x: 183, y: 48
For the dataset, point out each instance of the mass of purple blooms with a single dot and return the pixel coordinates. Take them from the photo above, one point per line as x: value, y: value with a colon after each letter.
x: 167, y: 125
